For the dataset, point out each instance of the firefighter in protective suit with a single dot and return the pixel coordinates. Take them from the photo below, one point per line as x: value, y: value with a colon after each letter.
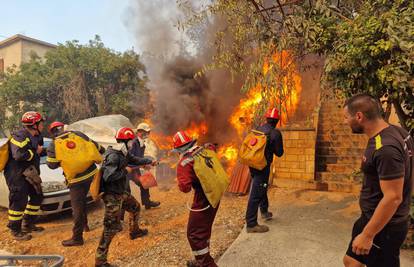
x: 137, y: 148
x: 115, y: 193
x: 202, y: 214
x: 80, y: 180
x: 260, y: 178
x: 25, y: 150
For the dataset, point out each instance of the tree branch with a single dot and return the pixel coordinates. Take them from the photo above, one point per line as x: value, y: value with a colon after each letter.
x: 281, y: 8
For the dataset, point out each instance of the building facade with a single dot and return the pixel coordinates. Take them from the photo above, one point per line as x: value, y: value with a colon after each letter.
x: 18, y: 49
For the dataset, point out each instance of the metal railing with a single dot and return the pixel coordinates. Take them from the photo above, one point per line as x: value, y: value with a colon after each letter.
x: 46, y: 260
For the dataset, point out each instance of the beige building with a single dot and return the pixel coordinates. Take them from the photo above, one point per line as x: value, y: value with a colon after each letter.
x: 17, y: 49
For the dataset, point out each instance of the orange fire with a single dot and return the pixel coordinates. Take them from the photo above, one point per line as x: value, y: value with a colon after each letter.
x: 285, y: 99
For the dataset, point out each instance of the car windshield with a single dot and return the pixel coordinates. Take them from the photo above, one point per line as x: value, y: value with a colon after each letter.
x: 46, y: 143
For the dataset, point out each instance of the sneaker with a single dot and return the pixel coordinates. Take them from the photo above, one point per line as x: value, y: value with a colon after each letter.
x: 20, y: 236
x: 72, y: 242
x: 152, y: 204
x: 32, y: 228
x: 267, y: 216
x: 257, y: 229
x: 138, y: 233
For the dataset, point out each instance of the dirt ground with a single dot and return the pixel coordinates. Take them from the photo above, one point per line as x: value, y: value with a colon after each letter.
x: 166, y: 244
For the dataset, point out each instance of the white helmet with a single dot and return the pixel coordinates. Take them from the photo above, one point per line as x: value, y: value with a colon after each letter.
x: 143, y: 126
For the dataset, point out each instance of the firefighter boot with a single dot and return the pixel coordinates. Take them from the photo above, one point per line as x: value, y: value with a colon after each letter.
x: 72, y: 242
x: 28, y: 228
x: 267, y: 216
x: 138, y: 233
x: 257, y: 229
x: 20, y: 236
x: 152, y: 204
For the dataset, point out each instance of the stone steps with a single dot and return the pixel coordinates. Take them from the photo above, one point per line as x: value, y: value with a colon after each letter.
x: 338, y: 150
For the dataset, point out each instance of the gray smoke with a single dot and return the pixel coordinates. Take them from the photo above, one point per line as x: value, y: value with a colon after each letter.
x: 172, y: 61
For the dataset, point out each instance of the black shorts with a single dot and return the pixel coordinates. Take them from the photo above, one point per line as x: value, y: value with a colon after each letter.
x: 386, y: 251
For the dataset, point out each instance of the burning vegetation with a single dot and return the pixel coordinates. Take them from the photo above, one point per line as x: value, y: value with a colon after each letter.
x: 199, y: 120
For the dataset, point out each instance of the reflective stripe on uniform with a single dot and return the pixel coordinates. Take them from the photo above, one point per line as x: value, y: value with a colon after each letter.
x: 200, y: 252
x: 84, y: 177
x: 29, y: 212
x: 20, y: 144
x: 15, y: 212
x: 31, y: 155
x: 49, y: 159
x: 32, y: 207
x: 15, y: 218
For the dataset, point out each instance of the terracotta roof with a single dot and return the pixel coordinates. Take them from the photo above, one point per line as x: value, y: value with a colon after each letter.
x: 18, y: 37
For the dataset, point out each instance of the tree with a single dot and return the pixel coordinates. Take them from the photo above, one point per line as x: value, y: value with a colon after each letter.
x: 368, y: 46
x: 76, y: 81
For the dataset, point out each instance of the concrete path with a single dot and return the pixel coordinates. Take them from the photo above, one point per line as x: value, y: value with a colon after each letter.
x: 313, y: 230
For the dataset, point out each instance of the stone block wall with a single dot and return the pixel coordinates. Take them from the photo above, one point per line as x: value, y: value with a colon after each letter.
x: 298, y: 161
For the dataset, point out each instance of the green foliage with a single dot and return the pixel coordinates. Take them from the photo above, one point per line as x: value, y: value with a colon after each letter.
x: 368, y: 45
x: 74, y: 82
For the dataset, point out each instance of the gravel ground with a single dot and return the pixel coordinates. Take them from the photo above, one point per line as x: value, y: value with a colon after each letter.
x: 166, y: 244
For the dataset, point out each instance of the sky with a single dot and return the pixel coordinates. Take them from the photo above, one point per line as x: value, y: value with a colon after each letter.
x: 57, y: 21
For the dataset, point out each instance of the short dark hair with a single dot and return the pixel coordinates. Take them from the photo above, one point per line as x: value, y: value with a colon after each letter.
x: 365, y: 103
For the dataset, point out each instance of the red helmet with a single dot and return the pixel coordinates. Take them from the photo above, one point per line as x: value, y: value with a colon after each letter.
x: 55, y: 124
x: 181, y: 138
x: 125, y: 133
x: 272, y: 113
x: 30, y: 118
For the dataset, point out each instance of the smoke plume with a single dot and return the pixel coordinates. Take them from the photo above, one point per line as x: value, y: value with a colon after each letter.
x: 172, y: 61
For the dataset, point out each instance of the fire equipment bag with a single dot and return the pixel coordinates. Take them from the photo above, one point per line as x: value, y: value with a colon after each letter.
x: 75, y: 154
x: 95, y: 188
x: 210, y: 172
x: 4, y: 155
x: 147, y: 180
x: 252, y: 150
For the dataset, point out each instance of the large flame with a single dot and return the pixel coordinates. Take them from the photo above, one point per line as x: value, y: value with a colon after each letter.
x: 286, y: 100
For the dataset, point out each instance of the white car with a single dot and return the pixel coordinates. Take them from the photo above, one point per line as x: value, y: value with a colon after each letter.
x: 56, y: 194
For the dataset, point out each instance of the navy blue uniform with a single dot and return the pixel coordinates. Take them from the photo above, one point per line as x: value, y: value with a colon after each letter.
x: 22, y: 154
x: 135, y: 149
x: 260, y: 178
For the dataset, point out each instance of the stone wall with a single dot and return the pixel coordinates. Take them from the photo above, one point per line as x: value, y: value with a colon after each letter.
x: 298, y: 161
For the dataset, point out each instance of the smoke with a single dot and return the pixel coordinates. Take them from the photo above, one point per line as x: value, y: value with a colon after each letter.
x: 172, y: 61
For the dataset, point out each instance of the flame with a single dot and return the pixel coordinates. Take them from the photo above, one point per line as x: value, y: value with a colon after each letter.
x: 242, y: 116
x: 286, y: 100
x: 197, y: 130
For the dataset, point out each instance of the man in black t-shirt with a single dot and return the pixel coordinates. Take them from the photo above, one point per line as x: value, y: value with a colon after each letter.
x: 386, y: 190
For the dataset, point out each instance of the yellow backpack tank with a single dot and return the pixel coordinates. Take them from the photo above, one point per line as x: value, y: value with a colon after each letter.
x: 4, y: 155
x: 213, y: 178
x: 75, y: 154
x: 252, y: 150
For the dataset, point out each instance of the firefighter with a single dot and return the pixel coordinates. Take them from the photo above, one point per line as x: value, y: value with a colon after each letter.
x: 260, y: 178
x: 116, y: 197
x: 25, y: 150
x: 202, y: 214
x: 137, y: 148
x: 78, y: 184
